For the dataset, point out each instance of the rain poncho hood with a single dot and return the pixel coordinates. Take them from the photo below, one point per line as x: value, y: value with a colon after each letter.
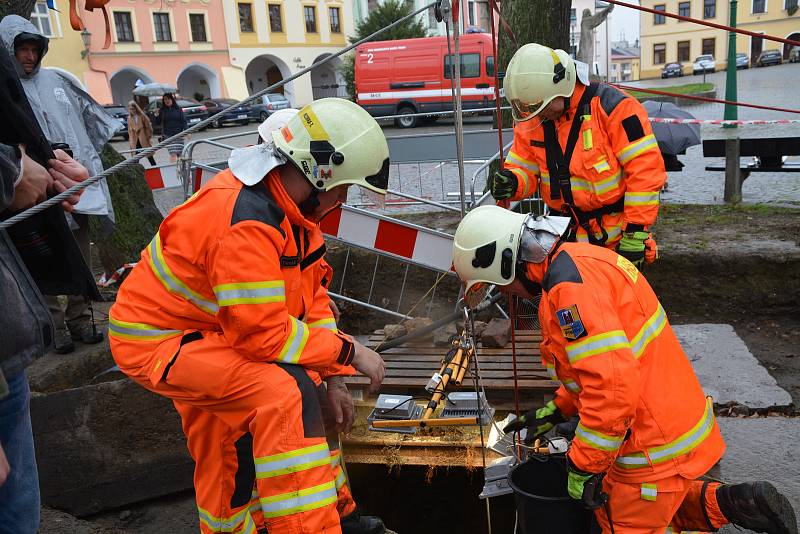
x: 65, y: 112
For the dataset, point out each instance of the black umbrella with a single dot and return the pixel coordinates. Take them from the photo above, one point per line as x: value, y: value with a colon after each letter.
x: 672, y: 138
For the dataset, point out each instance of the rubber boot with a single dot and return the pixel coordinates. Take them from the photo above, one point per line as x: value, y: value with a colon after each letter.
x: 356, y: 523
x: 757, y: 506
x: 62, y: 344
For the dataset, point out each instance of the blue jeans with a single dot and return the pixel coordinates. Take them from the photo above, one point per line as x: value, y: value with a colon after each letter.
x: 19, y: 496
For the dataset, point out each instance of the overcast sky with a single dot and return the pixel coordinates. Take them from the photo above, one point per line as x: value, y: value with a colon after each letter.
x: 624, y: 20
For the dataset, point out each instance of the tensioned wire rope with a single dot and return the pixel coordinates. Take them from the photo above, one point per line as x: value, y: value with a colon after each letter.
x: 134, y: 160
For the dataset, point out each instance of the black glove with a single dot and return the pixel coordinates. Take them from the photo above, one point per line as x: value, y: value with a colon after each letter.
x: 586, y: 487
x: 537, y: 421
x: 503, y: 184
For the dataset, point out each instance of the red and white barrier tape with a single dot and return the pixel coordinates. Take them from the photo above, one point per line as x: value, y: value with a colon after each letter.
x: 106, y: 281
x: 720, y: 122
x: 166, y: 177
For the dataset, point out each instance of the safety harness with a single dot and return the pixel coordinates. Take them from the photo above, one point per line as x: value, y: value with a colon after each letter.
x: 560, y: 181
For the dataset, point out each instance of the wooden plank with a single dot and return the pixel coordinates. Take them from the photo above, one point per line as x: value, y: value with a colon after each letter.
x: 484, y: 366
x: 501, y: 373
x: 488, y: 383
x: 499, y: 358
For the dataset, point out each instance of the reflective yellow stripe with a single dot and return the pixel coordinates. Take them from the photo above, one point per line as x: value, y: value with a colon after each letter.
x: 240, y: 523
x: 328, y: 324
x: 601, y: 166
x: 649, y: 492
x: 171, y: 282
x: 598, y: 440
x: 598, y: 344
x: 607, y: 184
x: 292, y: 461
x: 313, y: 125
x: 587, y: 139
x: 295, y: 343
x: 687, y: 442
x: 637, y: 147
x: 336, y: 457
x: 645, y: 198
x: 649, y: 331
x: 551, y: 371
x: 613, y: 233
x: 340, y: 480
x: 139, y: 331
x: 299, y: 501
x: 250, y: 293
x: 522, y: 162
x: 571, y: 385
x: 576, y: 182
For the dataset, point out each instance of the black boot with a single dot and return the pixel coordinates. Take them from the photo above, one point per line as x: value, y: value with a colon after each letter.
x: 356, y: 523
x: 757, y: 506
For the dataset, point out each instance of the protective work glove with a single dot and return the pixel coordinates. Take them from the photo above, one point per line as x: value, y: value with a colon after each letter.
x: 585, y: 487
x: 639, y: 247
x: 503, y: 184
x: 537, y: 421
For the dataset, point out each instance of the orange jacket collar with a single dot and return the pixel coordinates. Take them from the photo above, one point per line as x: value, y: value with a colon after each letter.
x: 286, y: 203
x: 573, y: 102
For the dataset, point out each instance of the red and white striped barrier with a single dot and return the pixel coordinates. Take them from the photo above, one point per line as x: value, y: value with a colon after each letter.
x: 166, y: 177
x: 106, y: 281
x: 408, y: 242
x: 721, y: 122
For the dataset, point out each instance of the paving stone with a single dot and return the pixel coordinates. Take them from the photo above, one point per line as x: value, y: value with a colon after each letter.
x: 727, y: 370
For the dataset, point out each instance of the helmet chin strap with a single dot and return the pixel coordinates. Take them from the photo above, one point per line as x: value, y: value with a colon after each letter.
x: 311, y: 203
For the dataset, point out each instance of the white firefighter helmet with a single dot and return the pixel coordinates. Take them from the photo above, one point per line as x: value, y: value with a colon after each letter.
x: 334, y: 142
x: 536, y: 75
x: 489, y: 242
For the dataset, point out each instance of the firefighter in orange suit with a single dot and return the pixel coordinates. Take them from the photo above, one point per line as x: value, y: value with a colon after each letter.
x: 646, y: 431
x: 591, y: 154
x: 227, y: 314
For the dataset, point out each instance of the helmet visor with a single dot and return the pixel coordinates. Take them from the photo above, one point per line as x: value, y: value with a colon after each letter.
x: 524, y: 111
x: 476, y: 293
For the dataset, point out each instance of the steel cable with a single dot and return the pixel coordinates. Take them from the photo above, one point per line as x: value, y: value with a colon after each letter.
x: 152, y: 150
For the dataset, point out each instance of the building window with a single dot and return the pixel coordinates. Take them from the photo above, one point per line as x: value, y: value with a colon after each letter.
x: 709, y: 9
x: 124, y: 26
x: 333, y: 14
x: 683, y: 51
x: 246, y: 17
x: 759, y: 6
x: 471, y: 13
x: 659, y: 53
x: 197, y: 25
x: 573, y: 17
x: 470, y: 65
x: 684, y: 9
x: 275, y: 19
x: 709, y: 46
x: 657, y: 18
x: 161, y: 25
x: 41, y: 19
x: 311, y: 18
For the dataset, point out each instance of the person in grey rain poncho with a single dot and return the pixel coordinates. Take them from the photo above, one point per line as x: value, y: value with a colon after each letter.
x: 66, y: 114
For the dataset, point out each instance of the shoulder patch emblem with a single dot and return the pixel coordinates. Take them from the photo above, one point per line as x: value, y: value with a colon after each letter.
x: 571, y: 324
x: 628, y: 268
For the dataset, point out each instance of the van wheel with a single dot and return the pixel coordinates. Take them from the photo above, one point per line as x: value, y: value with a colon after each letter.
x: 405, y: 122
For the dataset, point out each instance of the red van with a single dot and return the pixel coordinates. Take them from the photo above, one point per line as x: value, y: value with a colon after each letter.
x: 410, y: 76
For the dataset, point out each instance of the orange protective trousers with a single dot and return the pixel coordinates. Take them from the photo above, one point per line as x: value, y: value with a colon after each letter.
x: 257, y: 434
x: 679, y: 505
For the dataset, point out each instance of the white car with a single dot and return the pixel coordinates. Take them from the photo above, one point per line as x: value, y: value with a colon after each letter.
x: 704, y: 63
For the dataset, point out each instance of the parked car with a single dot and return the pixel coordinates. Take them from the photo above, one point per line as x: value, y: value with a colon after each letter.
x: 119, y: 112
x: 742, y: 61
x: 672, y: 70
x: 769, y: 57
x: 238, y: 115
x: 268, y: 104
x: 193, y: 110
x: 794, y: 55
x: 704, y: 63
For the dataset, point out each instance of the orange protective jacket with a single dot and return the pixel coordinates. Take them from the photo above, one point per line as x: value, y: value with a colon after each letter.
x: 616, y: 157
x: 235, y: 259
x: 606, y: 338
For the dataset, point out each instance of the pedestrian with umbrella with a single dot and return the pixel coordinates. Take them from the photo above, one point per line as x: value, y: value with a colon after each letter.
x: 673, y: 139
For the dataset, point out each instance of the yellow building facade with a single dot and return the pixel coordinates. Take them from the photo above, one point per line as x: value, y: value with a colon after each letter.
x: 667, y: 40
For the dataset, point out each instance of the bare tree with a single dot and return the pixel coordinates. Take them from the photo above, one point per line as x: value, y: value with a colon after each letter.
x: 588, y: 23
x: 532, y: 21
x: 137, y: 217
